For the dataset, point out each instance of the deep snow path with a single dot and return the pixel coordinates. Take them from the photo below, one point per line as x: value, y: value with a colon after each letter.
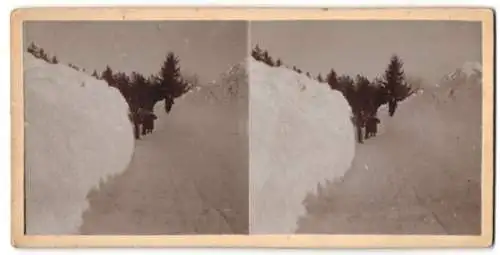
x: 397, y: 189
x: 189, y: 176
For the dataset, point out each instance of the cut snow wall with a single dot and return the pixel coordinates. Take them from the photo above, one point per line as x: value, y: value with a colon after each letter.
x: 77, y: 134
x: 301, y: 134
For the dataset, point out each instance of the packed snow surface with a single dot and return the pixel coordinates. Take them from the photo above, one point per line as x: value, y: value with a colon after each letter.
x: 420, y: 175
x: 190, y: 176
x: 301, y: 135
x: 77, y: 134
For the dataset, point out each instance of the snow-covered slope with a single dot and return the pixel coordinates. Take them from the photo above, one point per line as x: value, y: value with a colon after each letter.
x: 300, y: 135
x: 420, y: 175
x: 450, y: 110
x: 226, y: 97
x: 446, y: 121
x: 469, y: 72
x: 77, y: 134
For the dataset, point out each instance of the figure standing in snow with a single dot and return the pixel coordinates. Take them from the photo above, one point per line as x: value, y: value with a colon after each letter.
x: 359, y: 123
x: 135, y: 118
x: 148, y: 124
x: 368, y: 127
x: 153, y: 118
x: 371, y: 126
x: 142, y: 118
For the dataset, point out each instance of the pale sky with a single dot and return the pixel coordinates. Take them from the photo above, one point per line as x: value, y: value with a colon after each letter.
x: 205, y: 48
x: 429, y: 49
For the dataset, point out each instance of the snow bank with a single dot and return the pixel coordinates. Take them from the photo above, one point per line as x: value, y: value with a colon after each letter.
x: 224, y: 100
x: 445, y: 120
x: 77, y: 134
x: 300, y: 135
x: 453, y: 107
x: 420, y: 175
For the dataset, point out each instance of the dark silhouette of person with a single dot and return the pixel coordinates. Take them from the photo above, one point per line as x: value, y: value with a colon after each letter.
x: 371, y: 126
x: 135, y: 118
x: 368, y: 128
x: 148, y: 125
x: 359, y: 123
x: 144, y: 124
x: 376, y: 121
x: 152, y: 123
x: 140, y: 118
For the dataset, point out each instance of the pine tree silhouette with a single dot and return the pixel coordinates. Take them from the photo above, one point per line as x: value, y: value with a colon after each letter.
x: 138, y: 95
x: 170, y: 80
x: 33, y: 49
x: 54, y: 60
x: 394, y: 85
x: 346, y: 86
x: 107, y: 75
x: 332, y: 80
x: 266, y: 58
x: 257, y: 53
x: 365, y: 95
x: 379, y: 95
x: 122, y: 83
x: 43, y: 55
x: 73, y: 66
x: 95, y: 75
x: 319, y: 78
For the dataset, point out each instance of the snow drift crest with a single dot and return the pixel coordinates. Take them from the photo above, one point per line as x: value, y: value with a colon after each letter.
x: 300, y: 135
x: 469, y: 72
x: 445, y: 117
x: 77, y: 133
x: 230, y: 86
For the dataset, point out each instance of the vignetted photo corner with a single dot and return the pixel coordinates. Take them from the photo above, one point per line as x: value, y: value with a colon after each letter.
x: 248, y: 127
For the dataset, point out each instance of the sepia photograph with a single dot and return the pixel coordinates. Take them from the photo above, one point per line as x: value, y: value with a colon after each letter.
x: 252, y: 127
x: 365, y: 127
x: 136, y: 128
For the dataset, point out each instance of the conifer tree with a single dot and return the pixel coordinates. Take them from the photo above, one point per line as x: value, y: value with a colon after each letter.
x: 279, y: 62
x: 107, y: 75
x: 257, y: 53
x: 332, y: 80
x: 170, y: 80
x: 394, y: 84
x: 33, y: 48
x: 319, y: 78
x: 54, y: 60
x: 95, y: 75
x: 43, y: 55
x: 266, y: 58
